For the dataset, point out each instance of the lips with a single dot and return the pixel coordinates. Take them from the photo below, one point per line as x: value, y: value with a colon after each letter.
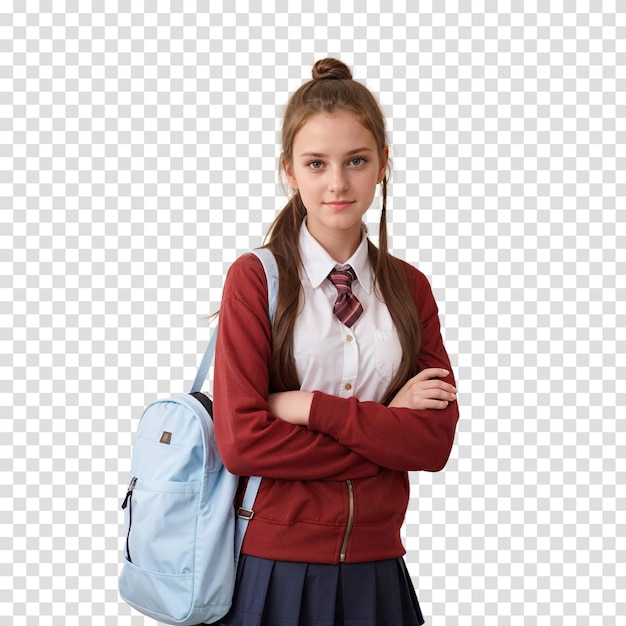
x: 339, y: 204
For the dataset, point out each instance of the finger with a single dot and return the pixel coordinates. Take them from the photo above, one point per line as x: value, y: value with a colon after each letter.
x: 433, y: 384
x: 448, y: 391
x: 440, y: 395
x: 432, y: 372
x: 437, y: 404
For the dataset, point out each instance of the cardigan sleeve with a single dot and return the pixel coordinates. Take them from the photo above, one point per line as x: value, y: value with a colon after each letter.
x: 396, y: 438
x: 252, y: 441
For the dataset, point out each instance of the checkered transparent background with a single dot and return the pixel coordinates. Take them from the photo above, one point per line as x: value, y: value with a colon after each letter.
x: 138, y: 158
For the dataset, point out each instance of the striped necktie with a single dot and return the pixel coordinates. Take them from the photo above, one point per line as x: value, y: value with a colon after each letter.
x: 347, y: 307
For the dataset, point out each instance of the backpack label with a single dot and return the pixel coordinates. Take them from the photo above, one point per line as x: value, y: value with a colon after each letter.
x: 166, y: 438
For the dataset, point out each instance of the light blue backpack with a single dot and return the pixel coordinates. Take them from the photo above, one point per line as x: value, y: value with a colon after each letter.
x: 183, y: 536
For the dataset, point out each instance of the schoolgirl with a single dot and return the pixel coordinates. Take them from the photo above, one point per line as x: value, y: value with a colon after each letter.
x: 350, y: 389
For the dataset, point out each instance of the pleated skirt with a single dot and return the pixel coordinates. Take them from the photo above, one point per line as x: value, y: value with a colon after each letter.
x: 278, y: 593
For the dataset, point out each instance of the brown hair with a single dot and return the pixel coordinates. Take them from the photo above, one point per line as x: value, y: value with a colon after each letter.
x: 331, y: 89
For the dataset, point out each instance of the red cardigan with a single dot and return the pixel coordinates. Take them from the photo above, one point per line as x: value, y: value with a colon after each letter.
x: 339, y: 489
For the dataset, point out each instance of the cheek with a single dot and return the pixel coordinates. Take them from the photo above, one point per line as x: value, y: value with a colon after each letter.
x: 307, y: 183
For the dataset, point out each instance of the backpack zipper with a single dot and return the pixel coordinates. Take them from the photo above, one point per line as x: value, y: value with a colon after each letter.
x: 346, y: 537
x: 128, y: 502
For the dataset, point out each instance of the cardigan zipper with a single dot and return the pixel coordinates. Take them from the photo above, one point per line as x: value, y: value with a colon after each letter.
x: 346, y: 537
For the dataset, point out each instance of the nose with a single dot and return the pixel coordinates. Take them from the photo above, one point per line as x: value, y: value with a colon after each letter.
x: 338, y: 180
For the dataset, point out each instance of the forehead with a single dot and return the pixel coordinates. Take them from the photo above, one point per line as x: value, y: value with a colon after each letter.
x: 333, y: 132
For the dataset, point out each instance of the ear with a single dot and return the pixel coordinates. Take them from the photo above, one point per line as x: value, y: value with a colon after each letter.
x: 288, y: 169
x: 384, y: 159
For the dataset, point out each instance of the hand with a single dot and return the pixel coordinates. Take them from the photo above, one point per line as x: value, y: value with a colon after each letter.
x: 291, y: 406
x: 426, y: 391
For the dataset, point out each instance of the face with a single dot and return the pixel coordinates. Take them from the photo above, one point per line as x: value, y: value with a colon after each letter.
x: 336, y: 166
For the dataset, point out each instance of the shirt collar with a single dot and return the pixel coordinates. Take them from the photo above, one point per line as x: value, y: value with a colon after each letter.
x: 318, y: 263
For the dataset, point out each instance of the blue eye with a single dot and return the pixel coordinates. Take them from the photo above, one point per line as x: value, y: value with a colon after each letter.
x: 315, y: 165
x: 357, y: 161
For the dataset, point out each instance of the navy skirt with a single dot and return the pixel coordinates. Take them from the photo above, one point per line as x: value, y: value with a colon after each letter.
x: 279, y: 593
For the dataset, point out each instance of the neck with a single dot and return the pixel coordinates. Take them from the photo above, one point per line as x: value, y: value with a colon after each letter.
x: 340, y: 244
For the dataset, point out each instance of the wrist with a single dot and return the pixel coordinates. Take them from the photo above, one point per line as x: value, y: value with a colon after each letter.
x: 292, y: 406
x: 305, y: 399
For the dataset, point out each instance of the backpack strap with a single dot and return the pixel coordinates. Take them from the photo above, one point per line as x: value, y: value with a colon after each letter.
x: 245, y: 512
x: 271, y: 273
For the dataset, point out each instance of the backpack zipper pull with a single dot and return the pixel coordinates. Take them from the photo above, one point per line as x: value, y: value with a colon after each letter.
x: 129, y: 493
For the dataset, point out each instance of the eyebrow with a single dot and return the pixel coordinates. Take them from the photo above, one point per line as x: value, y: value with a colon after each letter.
x: 319, y: 155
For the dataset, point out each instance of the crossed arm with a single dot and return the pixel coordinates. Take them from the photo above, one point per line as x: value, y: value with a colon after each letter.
x: 299, y: 435
x: 424, y: 391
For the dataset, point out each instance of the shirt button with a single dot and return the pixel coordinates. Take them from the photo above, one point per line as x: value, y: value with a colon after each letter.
x: 347, y: 386
x: 349, y: 338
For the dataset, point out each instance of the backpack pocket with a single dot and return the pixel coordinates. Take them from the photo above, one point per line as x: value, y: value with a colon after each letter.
x: 160, y: 521
x: 163, y: 597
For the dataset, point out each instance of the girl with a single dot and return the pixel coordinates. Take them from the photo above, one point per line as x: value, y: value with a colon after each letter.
x: 348, y: 391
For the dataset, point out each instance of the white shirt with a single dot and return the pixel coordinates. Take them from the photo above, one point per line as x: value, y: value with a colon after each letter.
x: 330, y: 357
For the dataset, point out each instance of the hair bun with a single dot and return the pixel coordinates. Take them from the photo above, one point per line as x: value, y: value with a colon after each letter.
x: 331, y: 68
